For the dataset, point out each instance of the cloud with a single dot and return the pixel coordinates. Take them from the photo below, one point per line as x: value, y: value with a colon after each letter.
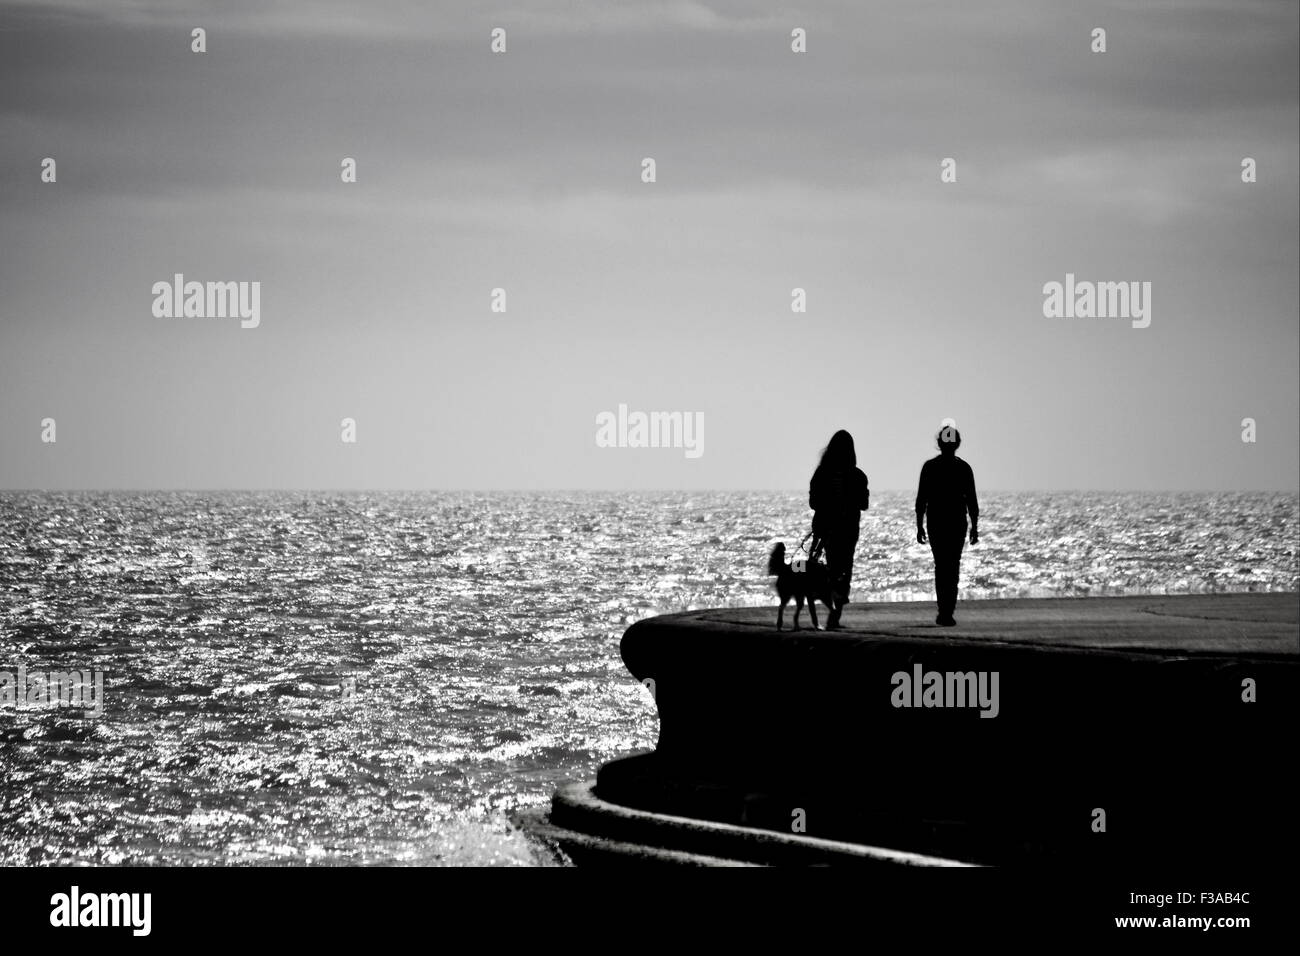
x: 339, y: 17
x: 410, y: 18
x: 642, y: 16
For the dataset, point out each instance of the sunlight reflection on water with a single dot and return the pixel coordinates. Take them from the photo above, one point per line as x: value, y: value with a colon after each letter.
x: 477, y: 635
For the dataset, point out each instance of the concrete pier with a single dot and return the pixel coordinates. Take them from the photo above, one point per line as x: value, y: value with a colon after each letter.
x: 1089, y: 731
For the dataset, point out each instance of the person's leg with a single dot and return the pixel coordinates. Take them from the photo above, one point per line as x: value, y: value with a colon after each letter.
x: 839, y: 561
x: 834, y: 570
x: 959, y: 543
x: 839, y: 564
x: 953, y: 543
x: 948, y: 600
x: 850, y: 549
x: 946, y: 546
x: 939, y: 552
x: 941, y: 569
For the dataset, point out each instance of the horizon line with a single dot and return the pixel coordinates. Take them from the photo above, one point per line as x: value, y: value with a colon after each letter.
x: 656, y: 490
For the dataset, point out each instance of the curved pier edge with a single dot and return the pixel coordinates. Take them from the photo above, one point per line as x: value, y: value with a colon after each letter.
x: 591, y: 830
x: 1104, y: 732
x: 1097, y: 733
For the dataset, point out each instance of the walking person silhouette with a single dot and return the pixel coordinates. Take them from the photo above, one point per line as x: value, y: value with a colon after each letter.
x: 838, y: 495
x: 944, y: 496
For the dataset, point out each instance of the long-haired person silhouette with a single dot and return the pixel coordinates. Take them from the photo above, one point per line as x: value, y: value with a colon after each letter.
x: 944, y: 496
x: 838, y: 495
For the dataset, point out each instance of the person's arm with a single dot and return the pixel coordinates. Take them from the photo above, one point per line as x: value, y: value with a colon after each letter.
x: 866, y: 492
x: 972, y: 506
x: 921, y: 497
x: 812, y: 493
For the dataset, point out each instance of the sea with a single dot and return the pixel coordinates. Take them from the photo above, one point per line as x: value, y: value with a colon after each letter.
x: 382, y: 678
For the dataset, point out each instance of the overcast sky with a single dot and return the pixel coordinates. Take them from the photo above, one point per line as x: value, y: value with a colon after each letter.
x: 522, y: 170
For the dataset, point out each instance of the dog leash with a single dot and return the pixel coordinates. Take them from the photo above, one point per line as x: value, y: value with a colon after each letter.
x: 812, y: 555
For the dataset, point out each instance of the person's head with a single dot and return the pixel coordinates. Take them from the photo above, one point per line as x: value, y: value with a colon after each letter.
x: 839, y: 452
x: 948, y: 440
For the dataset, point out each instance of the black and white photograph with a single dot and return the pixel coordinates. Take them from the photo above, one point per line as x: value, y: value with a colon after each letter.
x: 649, y: 436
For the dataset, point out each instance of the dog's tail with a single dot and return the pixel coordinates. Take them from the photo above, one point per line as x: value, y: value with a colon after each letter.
x: 776, y: 561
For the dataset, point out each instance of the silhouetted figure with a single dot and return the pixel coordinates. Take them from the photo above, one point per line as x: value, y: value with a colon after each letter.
x: 838, y: 495
x: 945, y: 495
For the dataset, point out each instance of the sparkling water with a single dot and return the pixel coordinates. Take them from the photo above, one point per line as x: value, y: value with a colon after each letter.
x: 377, y: 678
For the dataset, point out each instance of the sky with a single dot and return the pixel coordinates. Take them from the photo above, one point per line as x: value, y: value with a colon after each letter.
x: 522, y: 171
